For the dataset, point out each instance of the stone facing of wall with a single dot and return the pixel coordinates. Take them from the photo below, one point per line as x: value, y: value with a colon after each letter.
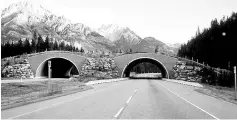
x: 21, y: 70
x: 186, y: 72
x: 100, y: 68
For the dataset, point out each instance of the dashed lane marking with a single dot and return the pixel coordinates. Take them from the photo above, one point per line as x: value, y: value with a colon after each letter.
x: 116, y: 116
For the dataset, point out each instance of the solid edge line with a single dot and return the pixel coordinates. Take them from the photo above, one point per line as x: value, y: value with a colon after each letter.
x: 53, y: 105
x: 183, y: 83
x: 43, y: 99
x: 56, y: 104
x: 223, y: 100
x: 190, y: 103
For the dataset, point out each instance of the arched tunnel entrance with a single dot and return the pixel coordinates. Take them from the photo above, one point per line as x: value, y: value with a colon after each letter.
x: 61, y: 68
x: 145, y: 65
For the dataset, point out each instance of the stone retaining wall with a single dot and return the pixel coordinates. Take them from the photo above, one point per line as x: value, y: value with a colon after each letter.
x: 186, y: 72
x: 100, y: 68
x: 20, y: 70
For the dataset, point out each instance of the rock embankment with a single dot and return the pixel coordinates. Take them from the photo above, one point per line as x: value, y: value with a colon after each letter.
x: 104, y: 68
x: 20, y: 70
x: 186, y: 72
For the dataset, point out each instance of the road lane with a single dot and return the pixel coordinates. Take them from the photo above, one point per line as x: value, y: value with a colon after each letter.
x: 35, y: 106
x: 102, y: 104
x: 152, y: 100
x: 214, y: 106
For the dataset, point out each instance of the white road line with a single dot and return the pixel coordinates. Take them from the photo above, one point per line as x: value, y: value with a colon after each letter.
x: 129, y: 100
x: 56, y: 104
x: 44, y: 108
x: 190, y: 103
x: 119, y: 112
x: 121, y: 109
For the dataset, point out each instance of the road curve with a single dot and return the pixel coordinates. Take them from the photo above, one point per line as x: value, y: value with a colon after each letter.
x: 131, y: 99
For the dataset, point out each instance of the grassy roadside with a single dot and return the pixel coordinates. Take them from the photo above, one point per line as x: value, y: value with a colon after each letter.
x: 224, y: 93
x: 15, y: 93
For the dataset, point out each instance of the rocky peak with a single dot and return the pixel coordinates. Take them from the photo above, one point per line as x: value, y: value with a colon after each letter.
x: 115, y: 32
x: 29, y: 7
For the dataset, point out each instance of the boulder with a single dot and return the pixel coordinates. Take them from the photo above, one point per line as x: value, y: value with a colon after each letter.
x: 102, y: 67
x: 20, y: 70
x: 189, y: 67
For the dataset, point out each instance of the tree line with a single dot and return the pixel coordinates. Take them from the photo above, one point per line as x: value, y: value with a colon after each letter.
x: 216, y: 45
x: 37, y: 44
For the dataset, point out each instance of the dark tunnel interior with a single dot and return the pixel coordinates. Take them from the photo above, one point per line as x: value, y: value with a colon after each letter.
x: 150, y: 66
x: 60, y: 68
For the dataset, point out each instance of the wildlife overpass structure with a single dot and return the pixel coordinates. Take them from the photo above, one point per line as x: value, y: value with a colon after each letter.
x: 66, y: 63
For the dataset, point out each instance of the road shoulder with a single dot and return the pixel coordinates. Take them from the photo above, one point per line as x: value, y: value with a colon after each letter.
x: 219, y: 108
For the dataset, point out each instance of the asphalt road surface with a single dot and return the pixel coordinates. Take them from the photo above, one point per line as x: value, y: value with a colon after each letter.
x: 131, y: 99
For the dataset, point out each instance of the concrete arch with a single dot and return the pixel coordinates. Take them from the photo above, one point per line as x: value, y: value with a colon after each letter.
x: 168, y: 62
x: 37, y: 74
x: 37, y: 60
x: 149, y: 58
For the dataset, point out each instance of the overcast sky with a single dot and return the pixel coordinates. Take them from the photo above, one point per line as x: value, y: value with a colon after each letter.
x: 171, y: 21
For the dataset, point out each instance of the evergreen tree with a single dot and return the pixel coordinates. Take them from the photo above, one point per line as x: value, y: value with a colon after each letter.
x: 12, y: 49
x: 55, y: 45
x: 77, y: 50
x: 40, y: 44
x: 3, y: 50
x: 35, y: 36
x: 62, y: 46
x: 51, y: 45
x: 46, y: 43
x: 71, y: 47
x: 82, y: 50
x: 34, y: 42
x: 19, y: 47
x: 216, y: 46
x: 67, y: 47
x: 33, y: 46
x: 27, y: 47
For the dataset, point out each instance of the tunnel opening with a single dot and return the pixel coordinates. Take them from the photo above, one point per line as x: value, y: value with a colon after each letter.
x: 145, y: 65
x: 60, y: 68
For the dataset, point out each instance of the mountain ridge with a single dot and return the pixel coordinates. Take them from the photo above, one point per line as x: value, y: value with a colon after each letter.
x: 21, y: 19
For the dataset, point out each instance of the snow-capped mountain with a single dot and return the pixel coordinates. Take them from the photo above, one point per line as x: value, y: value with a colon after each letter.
x: 176, y: 45
x: 148, y: 44
x: 123, y: 37
x: 21, y: 19
x: 115, y: 32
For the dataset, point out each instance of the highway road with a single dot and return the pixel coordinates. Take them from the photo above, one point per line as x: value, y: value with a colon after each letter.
x: 131, y: 99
